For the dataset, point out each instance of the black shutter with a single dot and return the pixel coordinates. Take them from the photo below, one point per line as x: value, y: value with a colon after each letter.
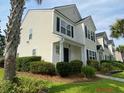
x: 72, y: 30
x: 87, y: 55
x: 58, y: 24
x: 86, y: 31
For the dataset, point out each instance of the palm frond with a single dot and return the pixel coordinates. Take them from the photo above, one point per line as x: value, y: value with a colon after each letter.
x: 39, y: 1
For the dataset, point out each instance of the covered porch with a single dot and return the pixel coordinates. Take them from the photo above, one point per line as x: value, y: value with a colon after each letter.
x: 66, y: 51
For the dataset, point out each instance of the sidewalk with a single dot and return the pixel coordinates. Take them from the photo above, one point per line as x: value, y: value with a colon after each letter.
x: 109, y: 77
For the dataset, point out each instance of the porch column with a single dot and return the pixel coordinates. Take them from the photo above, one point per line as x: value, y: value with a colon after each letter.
x: 83, y: 55
x: 61, y: 51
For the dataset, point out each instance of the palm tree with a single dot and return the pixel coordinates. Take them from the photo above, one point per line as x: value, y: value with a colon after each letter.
x: 117, y: 29
x: 13, y: 37
x: 120, y: 48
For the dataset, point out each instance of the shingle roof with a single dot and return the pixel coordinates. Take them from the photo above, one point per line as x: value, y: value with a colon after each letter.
x: 100, y: 34
x: 110, y: 42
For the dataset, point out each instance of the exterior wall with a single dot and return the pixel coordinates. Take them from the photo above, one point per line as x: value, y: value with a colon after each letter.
x: 111, y: 47
x: 89, y: 44
x: 100, y: 42
x: 75, y: 53
x: 107, y: 51
x: 41, y: 23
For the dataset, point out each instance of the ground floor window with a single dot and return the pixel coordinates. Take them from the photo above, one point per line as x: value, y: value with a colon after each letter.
x: 34, y: 52
x: 91, y: 55
x: 57, y: 49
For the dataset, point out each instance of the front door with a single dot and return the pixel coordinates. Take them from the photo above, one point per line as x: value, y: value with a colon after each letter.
x: 66, y: 55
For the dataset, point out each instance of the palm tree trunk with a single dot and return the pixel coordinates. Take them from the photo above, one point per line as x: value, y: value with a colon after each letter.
x: 13, y: 38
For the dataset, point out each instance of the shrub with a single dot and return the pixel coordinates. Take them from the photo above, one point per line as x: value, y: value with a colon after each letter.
x: 63, y: 69
x: 94, y: 63
x: 106, y: 61
x: 75, y: 66
x: 2, y: 62
x: 23, y: 63
x: 88, y: 71
x: 119, y: 65
x: 22, y: 86
x: 42, y: 68
x: 106, y: 67
x: 116, y: 64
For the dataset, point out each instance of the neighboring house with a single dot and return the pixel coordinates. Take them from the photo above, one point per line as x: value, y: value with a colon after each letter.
x: 112, y: 49
x: 118, y: 56
x: 104, y: 47
x: 58, y: 34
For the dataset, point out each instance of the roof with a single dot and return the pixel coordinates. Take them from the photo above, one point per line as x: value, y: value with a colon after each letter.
x: 102, y: 34
x: 69, y: 11
x: 111, y: 42
x: 66, y: 11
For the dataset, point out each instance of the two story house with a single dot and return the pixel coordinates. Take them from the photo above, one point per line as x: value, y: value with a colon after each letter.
x: 58, y: 34
x: 105, y: 47
x: 112, y: 49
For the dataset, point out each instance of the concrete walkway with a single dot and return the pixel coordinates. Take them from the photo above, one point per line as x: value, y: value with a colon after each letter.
x: 109, y: 77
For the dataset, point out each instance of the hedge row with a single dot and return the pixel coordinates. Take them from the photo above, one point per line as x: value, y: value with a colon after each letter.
x: 67, y: 68
x: 23, y: 63
x: 42, y: 68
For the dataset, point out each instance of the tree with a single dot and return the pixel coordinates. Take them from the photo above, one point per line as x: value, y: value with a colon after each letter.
x: 13, y: 37
x: 120, y: 48
x: 117, y: 29
x: 2, y: 44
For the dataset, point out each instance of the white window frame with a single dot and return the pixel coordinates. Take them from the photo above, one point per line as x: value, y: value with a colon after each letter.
x: 34, y: 51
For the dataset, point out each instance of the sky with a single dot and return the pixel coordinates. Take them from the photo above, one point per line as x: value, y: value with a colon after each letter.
x: 103, y: 12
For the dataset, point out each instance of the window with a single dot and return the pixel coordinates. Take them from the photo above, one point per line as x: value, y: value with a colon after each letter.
x: 30, y: 34
x: 68, y: 30
x: 58, y: 24
x: 89, y: 36
x: 105, y: 44
x: 94, y: 36
x: 91, y: 55
x: 86, y: 31
x: 64, y: 28
x: 72, y: 29
x: 57, y: 49
x: 34, y: 52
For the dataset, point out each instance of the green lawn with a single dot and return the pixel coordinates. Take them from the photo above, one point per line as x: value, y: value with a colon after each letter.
x: 99, y: 86
x: 119, y: 75
x: 1, y: 73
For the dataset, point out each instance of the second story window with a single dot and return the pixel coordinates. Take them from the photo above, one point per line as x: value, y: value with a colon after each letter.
x: 72, y: 30
x: 105, y: 43
x: 64, y: 28
x: 68, y: 30
x: 30, y: 34
x: 89, y: 35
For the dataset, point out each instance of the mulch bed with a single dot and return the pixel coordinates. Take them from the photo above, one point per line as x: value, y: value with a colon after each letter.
x: 69, y: 79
